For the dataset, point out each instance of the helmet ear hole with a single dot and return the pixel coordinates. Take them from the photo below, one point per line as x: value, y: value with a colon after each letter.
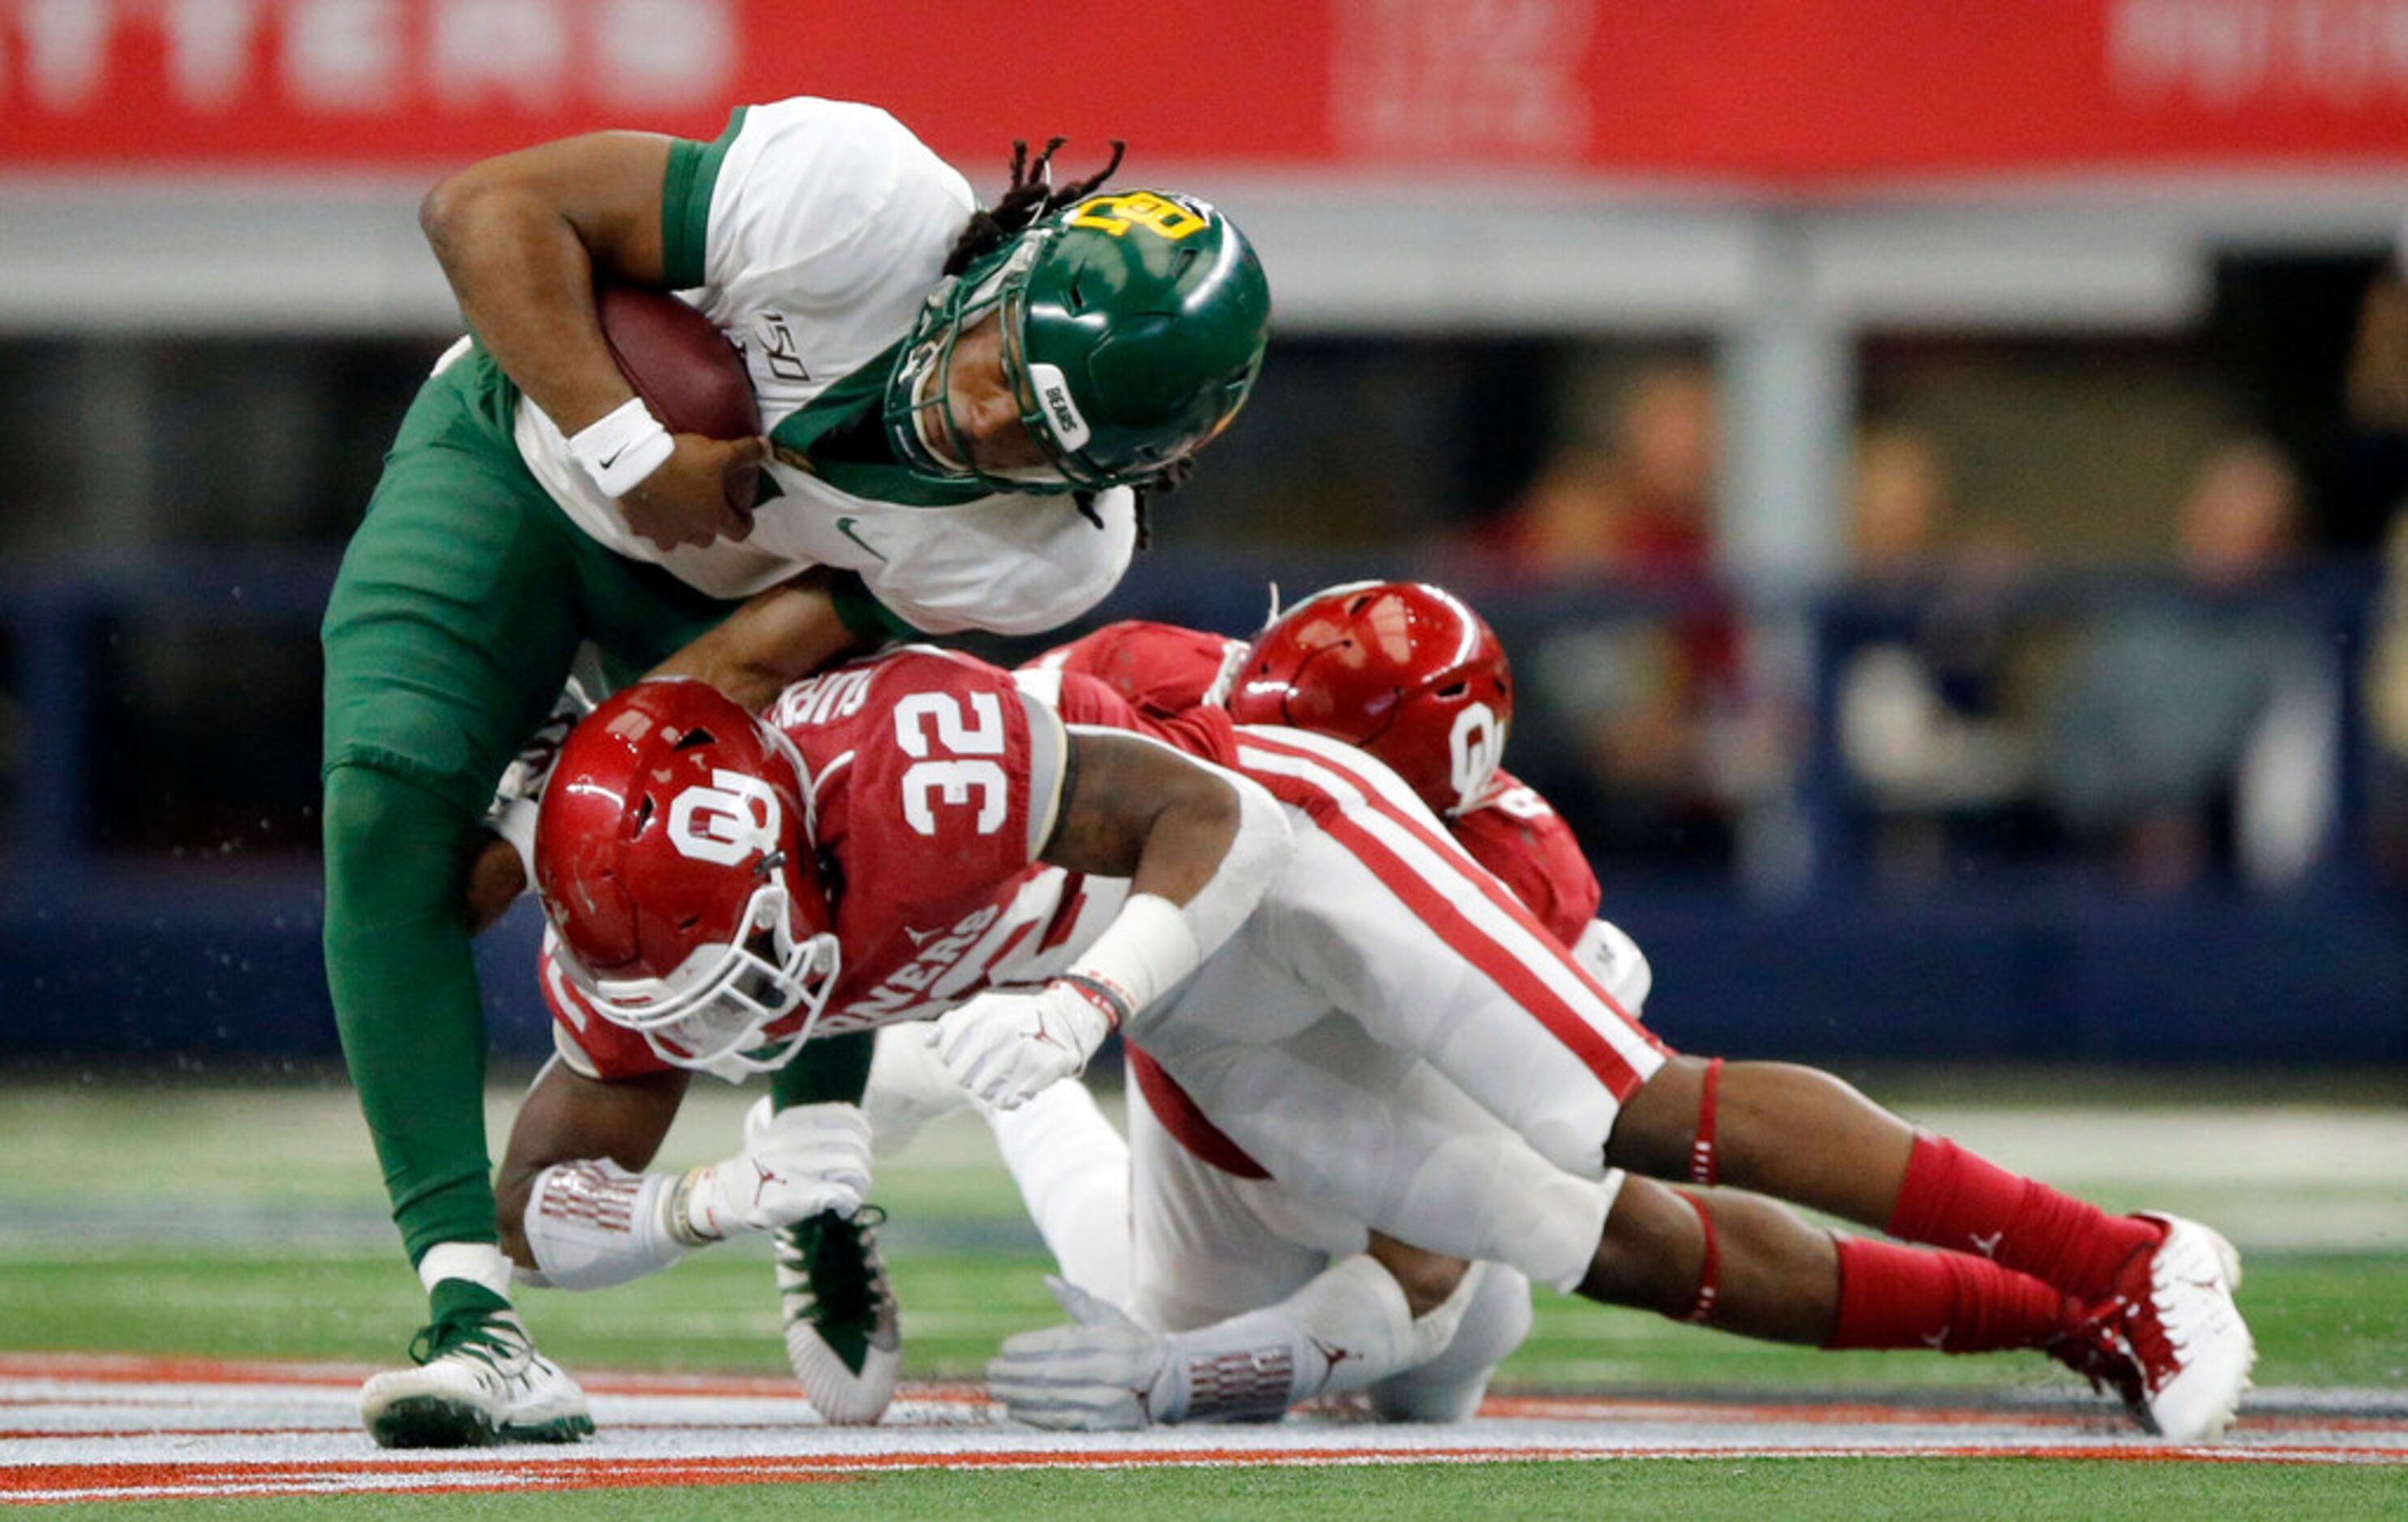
x: 693, y: 739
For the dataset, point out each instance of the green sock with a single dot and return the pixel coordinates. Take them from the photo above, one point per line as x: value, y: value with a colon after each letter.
x: 836, y: 1069
x: 459, y: 1300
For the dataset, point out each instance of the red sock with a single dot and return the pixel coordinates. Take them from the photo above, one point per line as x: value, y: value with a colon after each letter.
x: 1893, y: 1296
x: 1953, y: 1199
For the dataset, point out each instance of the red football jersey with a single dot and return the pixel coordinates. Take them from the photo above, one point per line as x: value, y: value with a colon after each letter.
x: 935, y: 782
x: 1516, y: 834
x: 1161, y: 669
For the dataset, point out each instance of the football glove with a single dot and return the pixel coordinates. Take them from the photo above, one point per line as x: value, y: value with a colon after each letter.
x: 1003, y: 1047
x: 1100, y: 1373
x: 795, y: 1163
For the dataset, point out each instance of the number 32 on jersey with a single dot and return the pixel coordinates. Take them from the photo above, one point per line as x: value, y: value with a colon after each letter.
x: 949, y: 742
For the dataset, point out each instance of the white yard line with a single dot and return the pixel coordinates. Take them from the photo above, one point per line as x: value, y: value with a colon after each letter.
x: 97, y: 1428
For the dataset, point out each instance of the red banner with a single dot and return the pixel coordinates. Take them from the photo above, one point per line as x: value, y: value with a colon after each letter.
x: 1788, y: 92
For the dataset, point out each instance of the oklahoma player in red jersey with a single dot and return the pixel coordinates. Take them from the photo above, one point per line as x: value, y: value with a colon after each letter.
x: 1412, y: 674
x: 1230, y: 1270
x: 720, y: 890
x: 1414, y: 677
x: 1388, y: 1033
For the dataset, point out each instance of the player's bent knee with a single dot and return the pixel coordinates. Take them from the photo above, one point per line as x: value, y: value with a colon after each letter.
x: 1656, y: 1126
x: 392, y: 846
x: 1428, y: 1279
x: 1651, y: 1251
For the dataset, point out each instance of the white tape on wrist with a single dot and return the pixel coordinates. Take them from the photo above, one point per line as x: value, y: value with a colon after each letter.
x: 690, y: 1214
x: 1141, y: 955
x: 622, y: 447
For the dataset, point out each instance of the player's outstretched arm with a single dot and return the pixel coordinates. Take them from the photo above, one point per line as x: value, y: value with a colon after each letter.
x: 1136, y: 808
x: 577, y: 1209
x: 1198, y: 846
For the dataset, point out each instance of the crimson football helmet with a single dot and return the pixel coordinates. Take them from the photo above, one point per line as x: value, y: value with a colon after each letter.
x: 673, y: 854
x: 1404, y: 669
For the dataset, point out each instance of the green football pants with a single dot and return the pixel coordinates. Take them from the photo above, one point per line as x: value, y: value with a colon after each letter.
x: 459, y: 608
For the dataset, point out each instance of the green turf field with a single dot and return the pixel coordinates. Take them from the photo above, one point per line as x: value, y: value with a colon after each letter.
x: 247, y: 1222
x: 1757, y: 1489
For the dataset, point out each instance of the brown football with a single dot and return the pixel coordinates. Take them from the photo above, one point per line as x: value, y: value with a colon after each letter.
x: 686, y: 371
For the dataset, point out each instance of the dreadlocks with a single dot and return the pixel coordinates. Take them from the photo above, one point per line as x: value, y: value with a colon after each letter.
x: 1030, y: 196
x: 1161, y: 483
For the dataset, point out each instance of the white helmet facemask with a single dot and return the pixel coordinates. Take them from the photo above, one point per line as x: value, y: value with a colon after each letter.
x: 714, y: 1009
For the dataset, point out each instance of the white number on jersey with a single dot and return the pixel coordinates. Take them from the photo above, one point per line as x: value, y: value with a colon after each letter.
x: 949, y: 780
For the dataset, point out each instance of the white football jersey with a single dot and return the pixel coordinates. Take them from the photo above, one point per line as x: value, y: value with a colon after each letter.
x: 811, y: 231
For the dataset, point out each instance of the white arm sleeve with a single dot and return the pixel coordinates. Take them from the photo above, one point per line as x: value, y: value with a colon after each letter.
x: 593, y: 1224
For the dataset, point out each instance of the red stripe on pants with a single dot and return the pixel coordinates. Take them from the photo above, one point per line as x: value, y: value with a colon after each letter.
x: 1503, y: 965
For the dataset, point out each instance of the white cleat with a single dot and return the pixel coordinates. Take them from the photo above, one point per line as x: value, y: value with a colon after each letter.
x: 2171, y: 1340
x: 842, y: 1331
x: 490, y: 1385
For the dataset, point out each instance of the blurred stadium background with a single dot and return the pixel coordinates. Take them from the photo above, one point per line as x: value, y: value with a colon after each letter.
x: 1935, y: 468
x: 1931, y: 467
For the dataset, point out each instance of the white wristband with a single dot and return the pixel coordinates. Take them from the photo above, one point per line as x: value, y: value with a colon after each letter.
x: 621, y: 447
x: 1148, y: 948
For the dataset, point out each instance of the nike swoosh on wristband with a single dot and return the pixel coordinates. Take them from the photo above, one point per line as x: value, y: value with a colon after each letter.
x: 844, y: 526
x: 606, y: 465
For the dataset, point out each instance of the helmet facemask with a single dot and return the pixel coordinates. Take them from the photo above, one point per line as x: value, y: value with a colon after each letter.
x: 714, y: 1008
x: 919, y: 394
x: 1130, y: 328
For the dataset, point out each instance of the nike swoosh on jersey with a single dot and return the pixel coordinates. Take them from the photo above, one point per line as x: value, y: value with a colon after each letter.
x: 844, y: 526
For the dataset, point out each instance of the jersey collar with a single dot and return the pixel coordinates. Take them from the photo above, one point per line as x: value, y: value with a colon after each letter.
x: 839, y: 436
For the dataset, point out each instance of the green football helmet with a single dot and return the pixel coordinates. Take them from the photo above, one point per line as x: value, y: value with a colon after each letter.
x: 1133, y: 328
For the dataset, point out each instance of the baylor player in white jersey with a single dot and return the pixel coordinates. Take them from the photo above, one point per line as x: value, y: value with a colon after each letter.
x: 962, y: 402
x: 825, y: 225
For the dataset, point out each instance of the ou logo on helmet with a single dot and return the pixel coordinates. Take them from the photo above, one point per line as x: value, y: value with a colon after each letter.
x: 1475, y: 746
x: 726, y: 823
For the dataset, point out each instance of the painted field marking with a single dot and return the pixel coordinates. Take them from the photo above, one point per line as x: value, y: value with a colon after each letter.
x: 100, y: 1427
